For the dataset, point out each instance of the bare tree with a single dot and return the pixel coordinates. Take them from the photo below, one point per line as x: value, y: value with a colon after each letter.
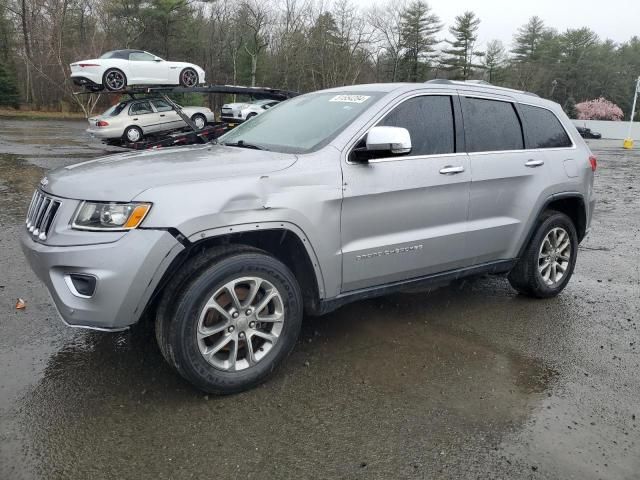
x: 256, y: 16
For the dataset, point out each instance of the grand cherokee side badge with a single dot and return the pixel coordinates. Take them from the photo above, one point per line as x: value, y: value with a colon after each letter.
x: 44, y: 182
x: 391, y: 251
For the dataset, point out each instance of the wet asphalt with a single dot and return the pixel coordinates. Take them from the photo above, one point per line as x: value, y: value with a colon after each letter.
x: 468, y: 381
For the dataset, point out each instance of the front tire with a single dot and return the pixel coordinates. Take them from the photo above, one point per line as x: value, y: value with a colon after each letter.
x: 199, y: 120
x: 114, y: 80
x: 547, y: 264
x: 229, y: 319
x: 189, y: 78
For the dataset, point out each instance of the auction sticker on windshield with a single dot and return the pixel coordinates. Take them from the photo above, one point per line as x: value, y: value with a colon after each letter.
x: 350, y: 98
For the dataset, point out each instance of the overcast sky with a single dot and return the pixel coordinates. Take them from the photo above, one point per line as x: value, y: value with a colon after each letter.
x: 618, y: 20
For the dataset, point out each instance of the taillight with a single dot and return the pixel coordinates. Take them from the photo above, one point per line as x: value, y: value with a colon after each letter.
x: 594, y: 162
x: 88, y: 65
x: 102, y: 123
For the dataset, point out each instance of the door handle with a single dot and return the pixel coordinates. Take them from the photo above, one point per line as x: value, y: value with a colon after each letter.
x: 534, y: 163
x: 162, y: 114
x: 451, y: 170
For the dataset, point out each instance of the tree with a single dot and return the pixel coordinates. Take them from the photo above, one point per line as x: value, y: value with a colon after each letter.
x: 256, y: 15
x: 569, y: 108
x: 494, y: 59
x: 387, y: 23
x: 418, y: 28
x: 526, y: 42
x: 599, y: 109
x: 459, y: 57
x: 9, y: 94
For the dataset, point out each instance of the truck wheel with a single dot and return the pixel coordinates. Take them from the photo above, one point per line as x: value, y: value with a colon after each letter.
x: 229, y: 318
x: 548, y: 262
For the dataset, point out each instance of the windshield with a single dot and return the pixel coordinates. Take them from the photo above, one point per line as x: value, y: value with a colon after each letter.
x: 115, y: 110
x: 302, y: 124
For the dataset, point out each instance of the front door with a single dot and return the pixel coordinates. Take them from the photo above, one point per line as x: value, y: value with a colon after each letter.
x: 406, y: 216
x: 144, y: 69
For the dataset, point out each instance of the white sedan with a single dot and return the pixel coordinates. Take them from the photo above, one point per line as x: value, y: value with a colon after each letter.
x: 239, y: 112
x: 132, y: 120
x: 121, y: 68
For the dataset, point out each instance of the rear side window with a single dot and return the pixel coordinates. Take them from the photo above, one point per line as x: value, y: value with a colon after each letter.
x: 543, y: 128
x: 429, y: 120
x: 491, y: 125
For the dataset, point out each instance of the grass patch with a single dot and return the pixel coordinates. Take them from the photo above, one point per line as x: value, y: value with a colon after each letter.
x: 36, y: 115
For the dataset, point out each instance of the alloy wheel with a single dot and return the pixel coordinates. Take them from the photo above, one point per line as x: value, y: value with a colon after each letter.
x: 115, y: 80
x: 240, y: 323
x: 554, y: 256
x: 189, y: 78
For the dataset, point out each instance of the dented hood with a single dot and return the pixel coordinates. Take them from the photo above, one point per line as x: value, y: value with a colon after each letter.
x: 122, y: 177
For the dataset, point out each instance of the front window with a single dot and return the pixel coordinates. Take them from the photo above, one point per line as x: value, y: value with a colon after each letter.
x: 302, y: 124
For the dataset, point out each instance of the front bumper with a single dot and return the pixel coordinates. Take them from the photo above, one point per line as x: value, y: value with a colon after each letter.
x: 127, y: 272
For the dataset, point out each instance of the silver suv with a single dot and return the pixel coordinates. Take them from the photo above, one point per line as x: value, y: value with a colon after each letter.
x: 327, y: 198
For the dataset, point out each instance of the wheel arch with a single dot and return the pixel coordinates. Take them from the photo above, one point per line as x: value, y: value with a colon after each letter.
x: 571, y: 204
x: 283, y: 241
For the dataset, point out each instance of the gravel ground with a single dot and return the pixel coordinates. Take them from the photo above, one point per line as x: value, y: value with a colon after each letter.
x: 469, y: 381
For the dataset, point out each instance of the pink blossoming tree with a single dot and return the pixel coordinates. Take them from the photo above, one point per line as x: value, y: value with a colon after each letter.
x: 599, y: 109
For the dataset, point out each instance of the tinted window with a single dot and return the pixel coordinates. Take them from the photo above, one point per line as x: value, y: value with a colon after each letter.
x: 140, y: 108
x: 429, y: 120
x: 162, y: 106
x: 491, y: 125
x: 543, y: 128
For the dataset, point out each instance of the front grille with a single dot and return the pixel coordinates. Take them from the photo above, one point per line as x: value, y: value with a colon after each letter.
x: 42, y: 211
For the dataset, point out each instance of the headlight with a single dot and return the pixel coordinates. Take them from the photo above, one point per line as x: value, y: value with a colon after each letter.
x: 110, y: 216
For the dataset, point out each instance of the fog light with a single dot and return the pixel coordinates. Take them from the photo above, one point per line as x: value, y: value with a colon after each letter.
x: 81, y: 284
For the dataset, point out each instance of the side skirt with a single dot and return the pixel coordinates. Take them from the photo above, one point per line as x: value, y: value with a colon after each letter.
x: 434, y: 280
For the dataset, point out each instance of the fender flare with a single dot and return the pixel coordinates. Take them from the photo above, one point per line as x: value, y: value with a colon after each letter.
x: 272, y: 225
x: 543, y: 207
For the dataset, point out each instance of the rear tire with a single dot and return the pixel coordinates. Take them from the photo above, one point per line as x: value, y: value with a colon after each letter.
x: 219, y: 343
x: 547, y: 264
x: 132, y: 134
x: 114, y: 80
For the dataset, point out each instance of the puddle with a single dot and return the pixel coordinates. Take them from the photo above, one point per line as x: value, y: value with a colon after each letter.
x: 18, y: 180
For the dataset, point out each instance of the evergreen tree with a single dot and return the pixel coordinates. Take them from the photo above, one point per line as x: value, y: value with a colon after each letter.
x: 459, y: 58
x: 9, y: 94
x: 418, y: 28
x: 528, y: 40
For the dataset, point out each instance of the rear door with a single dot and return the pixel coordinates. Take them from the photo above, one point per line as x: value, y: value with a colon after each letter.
x: 142, y: 114
x: 507, y: 180
x: 405, y: 216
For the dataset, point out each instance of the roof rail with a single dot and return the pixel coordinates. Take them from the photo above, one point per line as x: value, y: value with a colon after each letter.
x: 477, y: 83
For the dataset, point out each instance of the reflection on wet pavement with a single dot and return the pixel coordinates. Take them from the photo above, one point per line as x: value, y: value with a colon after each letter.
x: 469, y: 381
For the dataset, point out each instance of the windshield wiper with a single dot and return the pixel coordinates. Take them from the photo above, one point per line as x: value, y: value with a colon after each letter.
x: 243, y: 144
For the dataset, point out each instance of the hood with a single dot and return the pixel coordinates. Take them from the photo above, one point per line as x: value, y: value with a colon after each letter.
x: 122, y: 177
x: 236, y: 105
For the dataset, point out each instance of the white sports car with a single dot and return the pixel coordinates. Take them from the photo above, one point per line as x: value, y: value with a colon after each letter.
x: 239, y: 112
x: 117, y: 69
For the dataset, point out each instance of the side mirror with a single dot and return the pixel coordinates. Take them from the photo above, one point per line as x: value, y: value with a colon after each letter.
x: 381, y: 141
x: 157, y: 59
